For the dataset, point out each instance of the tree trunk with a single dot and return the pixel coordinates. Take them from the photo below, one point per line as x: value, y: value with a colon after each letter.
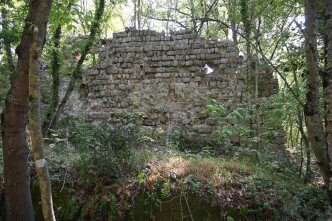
x: 305, y: 141
x: 135, y: 14
x: 78, y: 70
x: 15, y: 150
x: 55, y: 80
x: 36, y: 136
x: 139, y: 7
x: 193, y: 15
x: 55, y: 73
x: 232, y: 13
x: 315, y: 128
x: 327, y: 80
x: 249, y: 67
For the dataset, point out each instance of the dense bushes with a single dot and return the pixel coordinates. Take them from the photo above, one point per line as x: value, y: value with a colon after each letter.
x: 101, y: 152
x: 105, y: 151
x: 106, y: 167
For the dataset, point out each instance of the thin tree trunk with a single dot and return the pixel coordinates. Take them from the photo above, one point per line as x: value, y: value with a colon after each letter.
x: 302, y: 158
x: 232, y: 19
x: 193, y: 17
x: 135, y: 14
x: 78, y: 70
x: 291, y: 140
x: 316, y: 133
x: 297, y: 137
x: 327, y: 81
x: 249, y: 61
x: 55, y: 80
x: 55, y: 73
x: 305, y: 140
x: 308, y: 161
x: 139, y: 14
x: 36, y: 136
x: 14, y: 120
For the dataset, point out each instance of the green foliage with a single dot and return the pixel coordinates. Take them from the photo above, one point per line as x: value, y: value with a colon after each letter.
x: 198, y: 144
x: 232, y: 122
x: 93, y: 154
x: 100, y: 208
x: 4, y: 80
x: 97, y: 208
x: 15, y: 14
x: 193, y: 183
x: 141, y: 178
x: 285, y: 196
x: 104, y: 151
x: 166, y: 189
x: 10, y: 32
x: 63, y: 14
x: 69, y: 210
x: 269, y: 190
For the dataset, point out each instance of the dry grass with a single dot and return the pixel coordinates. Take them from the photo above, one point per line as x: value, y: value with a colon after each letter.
x: 215, y: 170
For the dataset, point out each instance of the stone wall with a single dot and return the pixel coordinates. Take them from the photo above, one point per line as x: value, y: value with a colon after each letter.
x: 162, y: 77
x: 267, y: 84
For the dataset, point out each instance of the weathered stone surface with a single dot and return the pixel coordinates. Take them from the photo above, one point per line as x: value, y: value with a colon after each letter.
x: 162, y: 77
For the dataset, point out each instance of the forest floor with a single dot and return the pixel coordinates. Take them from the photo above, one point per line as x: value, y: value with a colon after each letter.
x: 235, y: 188
x: 113, y: 175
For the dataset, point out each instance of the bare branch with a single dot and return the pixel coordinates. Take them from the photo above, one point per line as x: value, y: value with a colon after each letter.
x: 296, y: 96
x: 169, y: 20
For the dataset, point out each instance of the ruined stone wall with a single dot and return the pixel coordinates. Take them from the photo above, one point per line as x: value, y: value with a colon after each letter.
x: 163, y: 78
x: 267, y: 84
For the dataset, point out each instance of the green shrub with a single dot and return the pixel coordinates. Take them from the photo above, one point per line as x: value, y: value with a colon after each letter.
x: 104, y: 151
x: 232, y: 122
x: 196, y: 144
x: 69, y: 210
x: 285, y: 198
x: 92, y: 153
x: 96, y: 208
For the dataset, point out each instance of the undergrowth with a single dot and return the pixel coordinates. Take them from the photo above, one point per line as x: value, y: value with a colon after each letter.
x: 103, y: 173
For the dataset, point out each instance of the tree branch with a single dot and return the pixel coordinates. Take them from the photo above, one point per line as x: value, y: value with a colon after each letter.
x: 296, y: 96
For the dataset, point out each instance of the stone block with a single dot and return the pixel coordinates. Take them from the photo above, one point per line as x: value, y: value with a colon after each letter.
x: 189, y: 63
x: 211, y: 122
x: 185, y: 80
x: 213, y: 84
x: 161, y: 69
x: 202, y: 115
x: 186, y: 121
x: 204, y: 129
x: 166, y: 63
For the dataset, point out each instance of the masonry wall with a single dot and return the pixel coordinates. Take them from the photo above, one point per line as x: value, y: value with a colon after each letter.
x: 162, y: 77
